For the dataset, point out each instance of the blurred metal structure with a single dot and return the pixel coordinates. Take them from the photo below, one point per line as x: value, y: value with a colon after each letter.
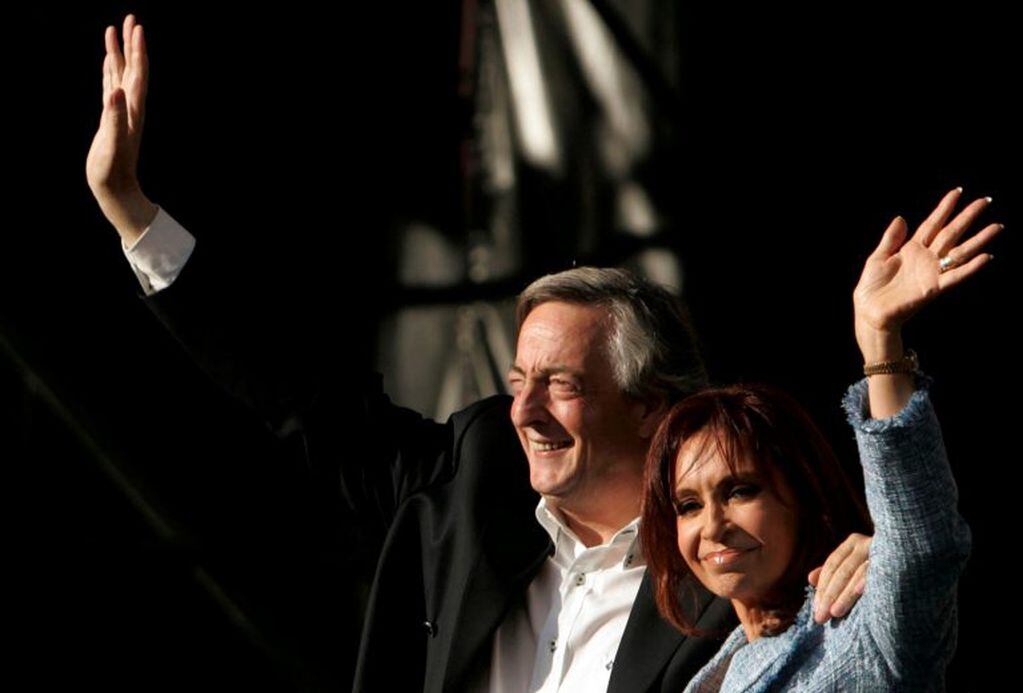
x: 567, y: 158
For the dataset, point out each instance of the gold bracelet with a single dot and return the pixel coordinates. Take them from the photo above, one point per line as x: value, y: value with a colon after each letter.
x: 907, y: 364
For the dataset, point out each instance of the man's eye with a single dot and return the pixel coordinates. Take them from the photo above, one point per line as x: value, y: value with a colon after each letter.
x: 563, y: 384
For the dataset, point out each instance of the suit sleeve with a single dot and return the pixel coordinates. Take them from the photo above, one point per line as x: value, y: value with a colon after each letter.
x: 336, y: 424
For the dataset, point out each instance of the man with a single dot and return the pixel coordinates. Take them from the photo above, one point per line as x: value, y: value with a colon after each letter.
x: 498, y: 572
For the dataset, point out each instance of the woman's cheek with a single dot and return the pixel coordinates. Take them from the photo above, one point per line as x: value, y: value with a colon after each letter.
x: 684, y: 540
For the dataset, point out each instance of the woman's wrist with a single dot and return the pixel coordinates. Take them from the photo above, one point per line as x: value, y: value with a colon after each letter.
x: 887, y: 393
x: 879, y: 345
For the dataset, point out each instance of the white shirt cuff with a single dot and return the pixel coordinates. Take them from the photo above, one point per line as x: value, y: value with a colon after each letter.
x: 158, y: 255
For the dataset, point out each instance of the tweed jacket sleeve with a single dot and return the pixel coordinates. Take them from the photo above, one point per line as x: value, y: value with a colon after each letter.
x: 920, y: 543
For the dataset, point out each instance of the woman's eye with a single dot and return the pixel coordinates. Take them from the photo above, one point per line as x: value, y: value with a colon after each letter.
x: 686, y: 507
x: 744, y: 492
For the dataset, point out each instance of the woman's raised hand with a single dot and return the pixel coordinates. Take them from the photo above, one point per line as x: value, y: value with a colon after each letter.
x: 111, y: 167
x: 901, y: 276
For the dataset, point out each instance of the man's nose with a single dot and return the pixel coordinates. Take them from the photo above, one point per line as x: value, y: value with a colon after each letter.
x: 530, y: 405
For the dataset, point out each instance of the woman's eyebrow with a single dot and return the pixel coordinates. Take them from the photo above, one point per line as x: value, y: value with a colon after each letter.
x: 730, y: 480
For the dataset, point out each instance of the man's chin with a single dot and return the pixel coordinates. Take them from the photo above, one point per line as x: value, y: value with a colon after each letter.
x: 551, y: 486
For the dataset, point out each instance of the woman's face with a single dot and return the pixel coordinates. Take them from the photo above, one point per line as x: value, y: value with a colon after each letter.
x: 736, y: 532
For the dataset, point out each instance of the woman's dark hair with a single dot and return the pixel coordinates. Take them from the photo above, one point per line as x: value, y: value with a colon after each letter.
x: 764, y: 425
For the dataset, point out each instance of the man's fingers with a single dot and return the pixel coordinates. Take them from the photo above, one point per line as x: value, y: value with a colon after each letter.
x: 828, y: 592
x: 110, y: 40
x: 106, y: 79
x: 141, y: 57
x: 118, y: 112
x: 109, y: 61
x: 116, y: 58
x: 128, y: 29
x: 844, y: 603
x: 814, y: 576
x: 828, y: 595
x: 832, y: 563
x: 134, y: 81
x: 142, y: 62
x: 838, y: 572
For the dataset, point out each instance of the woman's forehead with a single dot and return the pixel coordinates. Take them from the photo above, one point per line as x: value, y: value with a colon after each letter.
x: 705, y: 455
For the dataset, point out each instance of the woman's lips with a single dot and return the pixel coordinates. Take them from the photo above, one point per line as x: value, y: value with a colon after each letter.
x: 724, y: 557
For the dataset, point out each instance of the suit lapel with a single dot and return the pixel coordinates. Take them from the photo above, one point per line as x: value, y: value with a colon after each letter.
x: 651, y: 648
x: 647, y: 644
x: 513, y: 546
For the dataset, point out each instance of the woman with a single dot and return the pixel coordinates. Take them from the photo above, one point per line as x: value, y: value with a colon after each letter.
x: 744, y: 494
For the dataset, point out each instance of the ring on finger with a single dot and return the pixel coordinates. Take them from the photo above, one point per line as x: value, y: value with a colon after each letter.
x: 946, y: 263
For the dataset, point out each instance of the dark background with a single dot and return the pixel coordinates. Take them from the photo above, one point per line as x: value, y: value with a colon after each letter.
x: 157, y: 542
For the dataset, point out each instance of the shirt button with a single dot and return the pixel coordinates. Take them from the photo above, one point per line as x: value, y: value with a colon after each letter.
x: 628, y: 560
x: 553, y: 645
x: 580, y: 579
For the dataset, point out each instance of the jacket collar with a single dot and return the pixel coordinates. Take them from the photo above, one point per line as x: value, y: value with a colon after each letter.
x: 513, y: 547
x: 762, y: 664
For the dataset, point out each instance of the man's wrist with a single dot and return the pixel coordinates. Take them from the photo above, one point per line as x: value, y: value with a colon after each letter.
x: 129, y: 213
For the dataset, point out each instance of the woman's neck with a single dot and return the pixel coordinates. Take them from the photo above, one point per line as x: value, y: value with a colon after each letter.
x: 758, y: 620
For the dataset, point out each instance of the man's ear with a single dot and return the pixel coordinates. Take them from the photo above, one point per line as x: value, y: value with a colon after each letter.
x: 648, y: 413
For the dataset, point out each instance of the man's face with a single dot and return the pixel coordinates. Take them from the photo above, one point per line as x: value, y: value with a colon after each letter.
x: 581, y: 434
x: 736, y: 531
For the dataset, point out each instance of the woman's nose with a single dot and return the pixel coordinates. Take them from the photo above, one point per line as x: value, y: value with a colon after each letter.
x: 715, y: 519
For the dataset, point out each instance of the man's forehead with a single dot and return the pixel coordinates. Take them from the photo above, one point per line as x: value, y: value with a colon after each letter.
x: 562, y: 322
x: 561, y: 335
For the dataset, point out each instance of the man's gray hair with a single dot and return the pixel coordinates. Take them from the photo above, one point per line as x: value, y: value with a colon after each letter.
x: 651, y: 343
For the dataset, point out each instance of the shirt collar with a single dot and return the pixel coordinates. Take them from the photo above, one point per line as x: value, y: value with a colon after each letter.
x: 567, y: 546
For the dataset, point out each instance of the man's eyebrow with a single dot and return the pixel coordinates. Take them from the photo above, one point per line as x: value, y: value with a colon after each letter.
x: 550, y: 370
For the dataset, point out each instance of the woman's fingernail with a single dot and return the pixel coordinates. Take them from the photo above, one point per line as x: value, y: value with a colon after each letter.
x: 959, y: 189
x: 989, y: 199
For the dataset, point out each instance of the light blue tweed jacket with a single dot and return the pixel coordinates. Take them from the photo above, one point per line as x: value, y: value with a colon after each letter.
x: 902, y: 633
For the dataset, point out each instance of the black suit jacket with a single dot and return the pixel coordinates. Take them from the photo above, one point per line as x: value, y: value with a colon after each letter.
x: 452, y: 501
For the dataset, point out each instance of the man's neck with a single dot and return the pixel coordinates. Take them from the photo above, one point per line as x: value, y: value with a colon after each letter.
x: 597, y: 524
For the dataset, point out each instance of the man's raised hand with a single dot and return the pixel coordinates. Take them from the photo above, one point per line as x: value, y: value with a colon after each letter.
x: 111, y: 167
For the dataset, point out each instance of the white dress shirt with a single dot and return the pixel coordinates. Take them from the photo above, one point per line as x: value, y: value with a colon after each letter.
x: 564, y: 633
x: 157, y: 256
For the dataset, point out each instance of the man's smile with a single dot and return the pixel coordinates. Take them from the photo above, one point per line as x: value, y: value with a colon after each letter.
x: 548, y: 445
